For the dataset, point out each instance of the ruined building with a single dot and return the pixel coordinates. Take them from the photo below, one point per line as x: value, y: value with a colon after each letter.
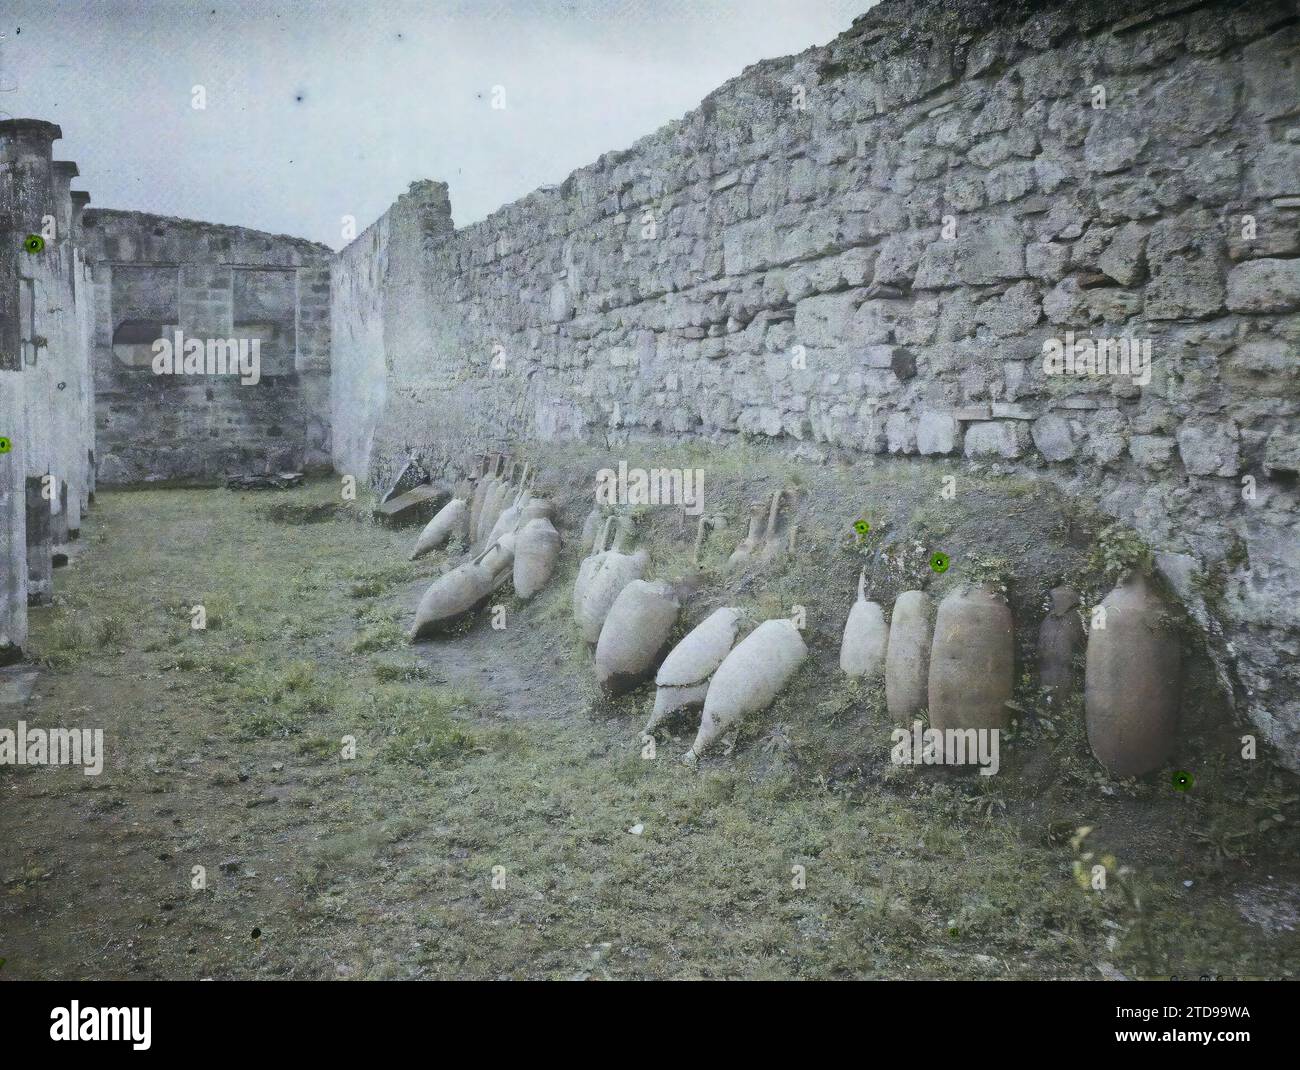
x: 85, y: 296
x: 867, y: 247
x: 47, y: 434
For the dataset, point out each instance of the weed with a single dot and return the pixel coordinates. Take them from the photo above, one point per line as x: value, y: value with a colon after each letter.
x: 384, y: 636
x: 419, y: 727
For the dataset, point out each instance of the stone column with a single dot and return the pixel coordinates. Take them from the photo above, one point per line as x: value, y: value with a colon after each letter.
x: 26, y: 196
x: 67, y: 456
x: 84, y: 282
x: 79, y: 198
x: 63, y: 172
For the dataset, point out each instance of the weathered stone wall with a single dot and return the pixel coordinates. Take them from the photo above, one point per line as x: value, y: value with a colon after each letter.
x: 155, y: 274
x: 46, y: 476
x: 394, y: 325
x: 785, y: 271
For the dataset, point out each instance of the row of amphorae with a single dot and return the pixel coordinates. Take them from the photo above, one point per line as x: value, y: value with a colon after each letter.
x: 958, y: 662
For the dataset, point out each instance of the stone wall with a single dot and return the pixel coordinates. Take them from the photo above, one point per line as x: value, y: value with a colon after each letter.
x: 155, y: 275
x: 46, y: 467
x: 394, y: 328
x: 865, y: 247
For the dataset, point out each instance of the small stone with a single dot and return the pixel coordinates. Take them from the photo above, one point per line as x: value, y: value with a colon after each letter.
x: 996, y: 438
x: 1047, y: 260
x: 1281, y: 452
x: 1152, y: 451
x: 1053, y: 438
x: 900, y: 433
x: 1209, y: 448
x: 879, y: 356
x: 900, y: 361
x: 937, y: 433
x: 1124, y: 258
x: 1003, y: 410
x: 1114, y: 142
x: 1264, y: 286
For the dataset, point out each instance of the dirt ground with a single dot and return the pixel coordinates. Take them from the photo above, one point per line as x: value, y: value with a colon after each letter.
x: 499, y: 820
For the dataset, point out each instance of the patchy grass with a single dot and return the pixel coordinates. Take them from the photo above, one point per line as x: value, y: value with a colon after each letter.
x: 385, y: 635
x: 421, y: 729
x: 482, y: 827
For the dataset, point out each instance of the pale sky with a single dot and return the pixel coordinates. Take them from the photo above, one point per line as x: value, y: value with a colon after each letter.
x: 321, y: 109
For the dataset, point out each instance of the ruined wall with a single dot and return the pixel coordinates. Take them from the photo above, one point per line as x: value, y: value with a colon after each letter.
x: 393, y: 329
x: 46, y: 476
x: 785, y: 271
x: 155, y: 275
x: 78, y: 315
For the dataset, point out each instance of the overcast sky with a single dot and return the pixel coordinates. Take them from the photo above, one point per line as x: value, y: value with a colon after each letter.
x: 316, y: 110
